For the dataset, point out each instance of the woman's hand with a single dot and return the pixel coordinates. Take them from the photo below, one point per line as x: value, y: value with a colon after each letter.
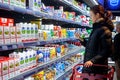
x: 88, y: 64
x: 77, y: 35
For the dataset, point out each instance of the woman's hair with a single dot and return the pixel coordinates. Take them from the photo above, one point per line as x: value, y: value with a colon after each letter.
x: 100, y: 9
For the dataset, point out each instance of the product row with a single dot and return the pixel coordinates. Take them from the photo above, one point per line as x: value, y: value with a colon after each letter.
x: 37, y: 5
x: 32, y: 32
x: 23, y: 60
x: 57, y: 69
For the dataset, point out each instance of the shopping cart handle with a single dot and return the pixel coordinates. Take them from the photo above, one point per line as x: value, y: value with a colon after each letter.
x: 97, y: 65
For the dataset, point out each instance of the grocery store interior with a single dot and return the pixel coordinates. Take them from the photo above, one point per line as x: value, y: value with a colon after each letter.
x: 37, y: 37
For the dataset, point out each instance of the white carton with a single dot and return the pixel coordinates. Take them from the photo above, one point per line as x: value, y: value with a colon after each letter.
x: 12, y: 31
x: 23, y: 31
x: 12, y: 2
x: 1, y: 32
x: 5, y: 67
x: 1, y: 41
x: 6, y: 32
x: 11, y: 67
x: 17, y: 3
x: 23, y: 3
x: 13, y: 34
x: 17, y: 66
x: 6, y: 1
x: 18, y: 31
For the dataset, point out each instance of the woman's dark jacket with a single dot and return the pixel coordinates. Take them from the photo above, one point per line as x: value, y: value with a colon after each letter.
x: 98, y: 46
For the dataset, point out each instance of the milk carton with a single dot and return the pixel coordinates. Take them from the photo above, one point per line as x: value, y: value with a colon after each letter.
x: 6, y: 1
x: 18, y: 33
x: 12, y: 2
x: 23, y: 31
x: 34, y: 4
x: 1, y: 35
x: 23, y: 3
x: 11, y: 67
x: 17, y: 66
x: 13, y: 34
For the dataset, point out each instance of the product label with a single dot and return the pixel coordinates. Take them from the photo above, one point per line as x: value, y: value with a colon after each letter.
x: 4, y: 67
x: 18, y: 32
x: 6, y: 1
x: 13, y: 40
x: 34, y: 57
x: 23, y: 3
x: 23, y: 33
x: 12, y: 2
x: 18, y: 3
x: 30, y: 58
x: 7, y: 41
x: 26, y: 59
x: 6, y: 32
x: 17, y: 64
x: 12, y: 32
x: 28, y: 32
x: 21, y: 61
x: 11, y: 65
x: 1, y: 41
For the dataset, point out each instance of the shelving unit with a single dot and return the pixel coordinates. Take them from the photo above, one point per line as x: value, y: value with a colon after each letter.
x: 67, y: 71
x: 73, y: 7
x: 39, y: 14
x: 27, y: 44
x: 39, y: 67
x: 43, y: 15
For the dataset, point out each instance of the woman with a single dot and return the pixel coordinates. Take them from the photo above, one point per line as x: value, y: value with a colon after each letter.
x: 117, y: 50
x: 99, y: 44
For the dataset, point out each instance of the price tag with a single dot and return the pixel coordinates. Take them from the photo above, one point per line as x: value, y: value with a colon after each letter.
x: 4, y: 48
x: 20, y: 45
x: 11, y: 7
x: 14, y: 46
x: 38, y: 43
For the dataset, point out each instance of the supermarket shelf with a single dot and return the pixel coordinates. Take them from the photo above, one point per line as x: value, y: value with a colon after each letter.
x: 36, y: 69
x: 67, y: 71
x: 74, y: 7
x: 36, y: 14
x: 22, y: 45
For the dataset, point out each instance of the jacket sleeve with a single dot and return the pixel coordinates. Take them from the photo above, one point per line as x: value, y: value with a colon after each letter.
x: 106, y: 44
x: 83, y: 42
x: 117, y: 47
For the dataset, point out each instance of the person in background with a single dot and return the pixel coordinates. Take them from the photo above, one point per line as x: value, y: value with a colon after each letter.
x: 99, y: 44
x: 117, y: 50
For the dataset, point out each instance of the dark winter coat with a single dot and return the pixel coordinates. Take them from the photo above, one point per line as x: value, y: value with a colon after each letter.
x: 98, y: 46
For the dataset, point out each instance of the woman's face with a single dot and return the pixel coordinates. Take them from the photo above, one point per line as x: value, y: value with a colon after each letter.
x: 118, y: 29
x: 94, y: 17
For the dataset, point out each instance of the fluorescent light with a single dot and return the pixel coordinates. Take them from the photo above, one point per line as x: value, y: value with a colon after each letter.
x: 95, y: 2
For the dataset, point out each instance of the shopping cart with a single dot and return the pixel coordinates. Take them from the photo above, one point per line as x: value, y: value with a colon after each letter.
x: 86, y: 76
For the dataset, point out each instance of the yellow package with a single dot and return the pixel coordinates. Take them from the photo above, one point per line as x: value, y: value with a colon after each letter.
x: 52, y: 53
x: 45, y: 35
x: 38, y: 22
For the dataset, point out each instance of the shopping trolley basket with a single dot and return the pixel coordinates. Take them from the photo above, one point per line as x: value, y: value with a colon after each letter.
x: 87, y: 76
